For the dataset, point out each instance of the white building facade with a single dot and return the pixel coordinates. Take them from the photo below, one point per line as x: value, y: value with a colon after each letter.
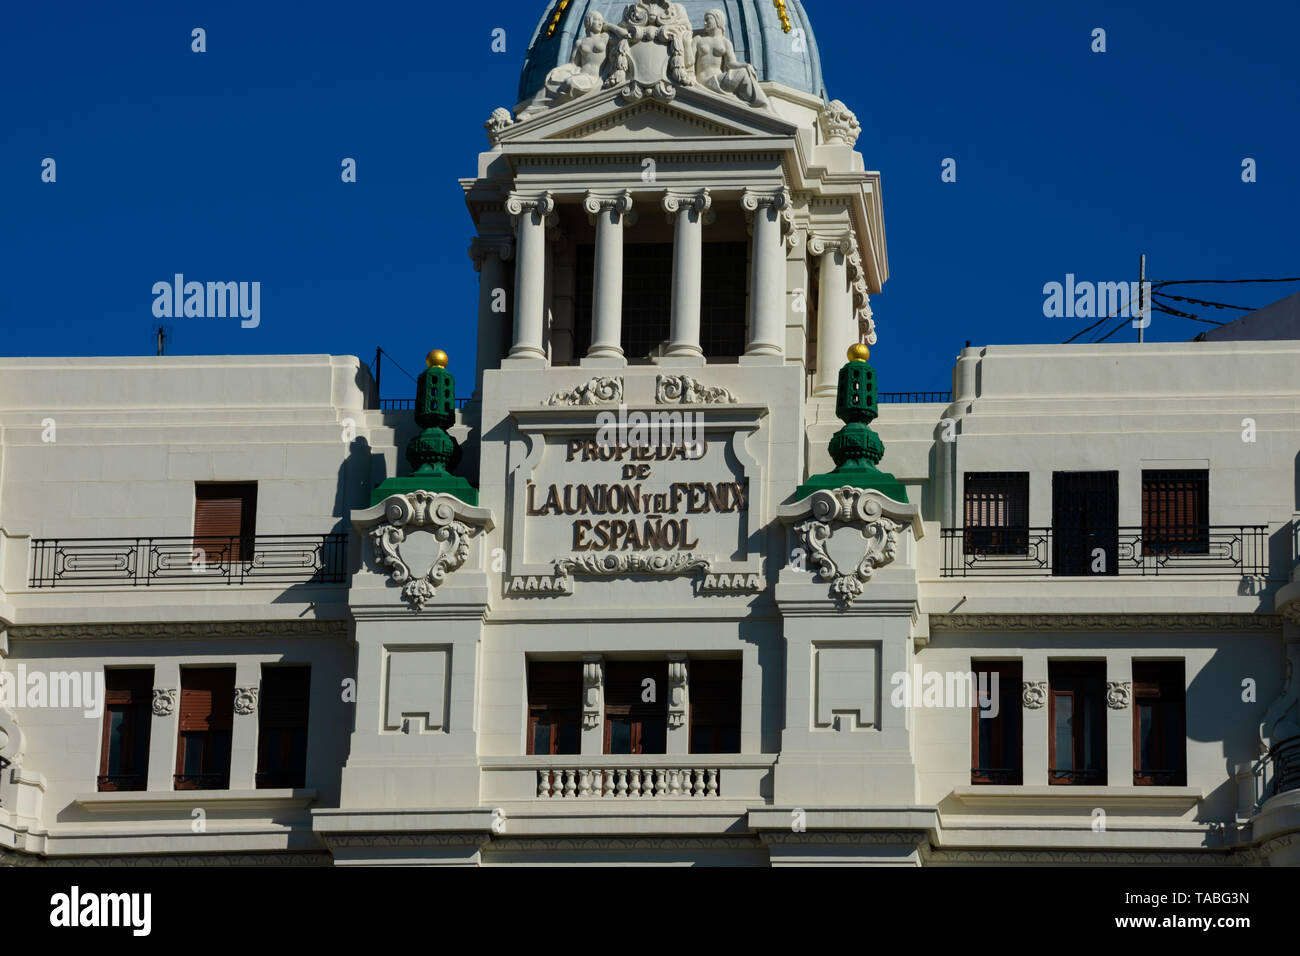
x: 657, y: 614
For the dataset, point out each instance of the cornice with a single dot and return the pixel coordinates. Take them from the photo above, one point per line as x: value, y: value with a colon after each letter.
x: 181, y: 630
x: 1105, y: 622
x: 10, y: 858
x: 811, y: 838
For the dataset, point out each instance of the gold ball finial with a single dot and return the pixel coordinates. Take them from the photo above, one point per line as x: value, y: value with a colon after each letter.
x: 436, y: 358
x: 859, y: 352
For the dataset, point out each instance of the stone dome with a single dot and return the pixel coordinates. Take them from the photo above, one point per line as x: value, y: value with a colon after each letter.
x: 754, y: 27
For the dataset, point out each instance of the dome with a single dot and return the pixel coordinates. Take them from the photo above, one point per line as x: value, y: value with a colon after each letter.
x: 753, y: 26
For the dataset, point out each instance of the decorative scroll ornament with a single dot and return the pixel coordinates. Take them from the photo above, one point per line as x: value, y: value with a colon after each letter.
x: 700, y: 203
x: 164, y: 701
x: 632, y: 563
x: 245, y: 700
x: 1033, y: 694
x: 753, y: 200
x: 593, y: 678
x: 542, y: 205
x: 653, y: 51
x: 684, y: 390
x: 1118, y: 694
x: 858, y: 508
x: 677, y: 670
x: 619, y: 205
x: 436, y: 514
x: 839, y: 124
x: 602, y: 390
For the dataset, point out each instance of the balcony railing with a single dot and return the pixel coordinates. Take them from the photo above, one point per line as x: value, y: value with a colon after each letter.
x: 408, y: 404
x: 629, y: 782
x: 201, y: 781
x: 1285, y: 758
x: 1203, y: 550
x: 108, y: 782
x: 319, y: 559
x: 901, y: 398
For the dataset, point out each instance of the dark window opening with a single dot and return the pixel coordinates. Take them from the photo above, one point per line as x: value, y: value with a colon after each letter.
x: 723, y: 299
x: 636, y: 711
x: 715, y: 707
x: 996, y: 742
x: 207, y: 713
x: 554, y: 707
x: 1077, y: 723
x: 1175, y: 512
x: 1085, y: 523
x: 124, y: 751
x: 282, y: 727
x: 1159, y: 724
x: 997, y: 513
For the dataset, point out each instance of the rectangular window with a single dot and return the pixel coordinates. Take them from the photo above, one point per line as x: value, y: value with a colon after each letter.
x: 1159, y: 724
x: 1085, y: 523
x: 554, y: 707
x: 1175, y: 512
x: 282, y: 727
x: 636, y: 707
x: 225, y: 516
x: 997, y: 512
x: 124, y: 749
x: 647, y: 298
x: 715, y: 707
x: 207, y: 713
x: 1077, y: 723
x: 722, y: 299
x: 995, y: 724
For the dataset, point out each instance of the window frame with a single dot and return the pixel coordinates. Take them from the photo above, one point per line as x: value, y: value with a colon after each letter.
x: 135, y: 704
x: 1064, y: 680
x: 1171, y: 692
x: 1009, y: 721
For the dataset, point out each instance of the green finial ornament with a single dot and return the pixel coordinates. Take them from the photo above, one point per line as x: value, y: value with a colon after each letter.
x: 433, y: 454
x: 855, y: 448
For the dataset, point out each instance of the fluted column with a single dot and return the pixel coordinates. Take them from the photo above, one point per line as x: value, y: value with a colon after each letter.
x: 771, y: 218
x: 530, y: 215
x: 688, y: 211
x: 490, y: 256
x: 608, y: 213
x: 837, y: 323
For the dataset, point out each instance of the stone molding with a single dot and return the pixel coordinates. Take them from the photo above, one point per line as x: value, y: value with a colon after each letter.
x: 632, y: 563
x: 620, y: 204
x: 593, y: 685
x: 699, y: 201
x: 752, y: 200
x: 1043, y: 622
x: 678, y: 672
x: 185, y: 630
x: 245, y: 701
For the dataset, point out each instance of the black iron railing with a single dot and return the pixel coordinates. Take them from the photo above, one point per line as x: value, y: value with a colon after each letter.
x: 1078, y: 778
x: 108, y: 782
x: 316, y: 559
x: 900, y: 398
x: 996, y: 775
x: 1205, y: 550
x: 202, y: 781
x: 408, y: 404
x: 281, y: 779
x: 1159, y: 778
x: 1285, y: 757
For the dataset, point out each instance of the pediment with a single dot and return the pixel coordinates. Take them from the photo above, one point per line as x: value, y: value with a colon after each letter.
x: 609, y: 117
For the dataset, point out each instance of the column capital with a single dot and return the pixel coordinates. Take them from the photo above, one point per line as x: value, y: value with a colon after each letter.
x: 480, y: 247
x: 699, y: 201
x: 820, y: 243
x: 754, y: 199
x: 619, y: 203
x: 543, y: 204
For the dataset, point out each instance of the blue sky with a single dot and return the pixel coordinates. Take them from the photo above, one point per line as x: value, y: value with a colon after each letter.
x: 225, y: 166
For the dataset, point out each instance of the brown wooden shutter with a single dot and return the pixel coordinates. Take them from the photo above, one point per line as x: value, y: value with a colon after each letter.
x: 224, y: 518
x: 207, y: 698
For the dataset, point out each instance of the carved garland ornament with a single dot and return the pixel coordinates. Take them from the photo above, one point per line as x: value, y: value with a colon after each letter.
x: 848, y: 505
x: 684, y: 390
x: 421, y: 510
x: 598, y: 391
x: 632, y: 563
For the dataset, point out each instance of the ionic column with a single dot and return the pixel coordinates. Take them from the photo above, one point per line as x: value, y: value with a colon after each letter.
x: 530, y: 214
x: 769, y: 213
x: 490, y: 257
x: 608, y: 214
x: 837, y: 323
x: 689, y: 212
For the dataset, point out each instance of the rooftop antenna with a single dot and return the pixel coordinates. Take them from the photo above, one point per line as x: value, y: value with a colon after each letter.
x: 1142, y: 298
x: 161, y: 335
